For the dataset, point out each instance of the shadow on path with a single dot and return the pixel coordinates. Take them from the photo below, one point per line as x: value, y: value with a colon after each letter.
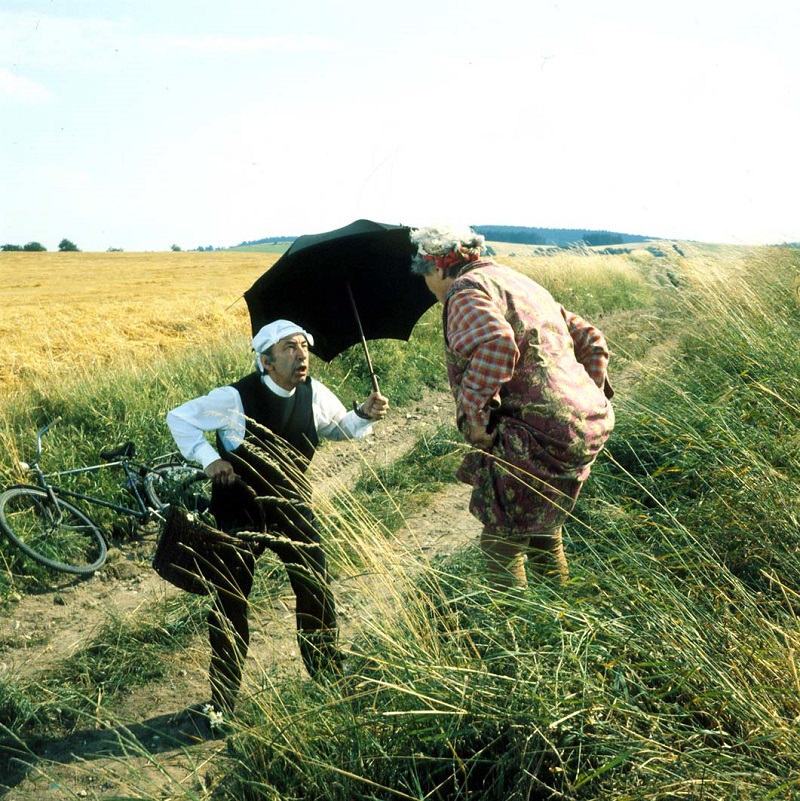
x: 146, y: 739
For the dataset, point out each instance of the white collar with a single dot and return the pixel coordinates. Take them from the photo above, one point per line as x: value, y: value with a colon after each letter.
x: 270, y: 384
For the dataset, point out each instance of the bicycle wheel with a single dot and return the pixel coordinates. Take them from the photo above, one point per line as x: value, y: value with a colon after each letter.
x: 180, y: 484
x: 56, y: 535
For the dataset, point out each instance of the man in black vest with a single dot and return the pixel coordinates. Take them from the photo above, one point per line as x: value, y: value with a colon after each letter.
x: 267, y: 426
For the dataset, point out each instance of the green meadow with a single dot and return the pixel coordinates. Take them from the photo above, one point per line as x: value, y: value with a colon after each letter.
x: 667, y: 668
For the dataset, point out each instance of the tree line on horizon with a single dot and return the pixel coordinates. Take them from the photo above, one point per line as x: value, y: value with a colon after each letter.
x: 560, y: 237
x: 38, y: 247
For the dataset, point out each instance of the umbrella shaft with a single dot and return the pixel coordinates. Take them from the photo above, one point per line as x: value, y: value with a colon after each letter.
x: 363, y: 340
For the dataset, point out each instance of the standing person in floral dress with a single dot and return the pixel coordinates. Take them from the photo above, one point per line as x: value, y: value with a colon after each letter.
x: 532, y: 396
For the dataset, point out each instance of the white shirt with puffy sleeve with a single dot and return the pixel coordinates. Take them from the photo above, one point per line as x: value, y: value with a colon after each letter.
x: 222, y: 411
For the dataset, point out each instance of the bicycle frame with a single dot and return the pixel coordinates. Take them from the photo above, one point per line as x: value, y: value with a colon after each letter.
x: 132, y: 471
x: 141, y: 512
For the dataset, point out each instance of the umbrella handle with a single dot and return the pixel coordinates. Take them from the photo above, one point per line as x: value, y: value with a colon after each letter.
x: 357, y: 410
x: 363, y: 339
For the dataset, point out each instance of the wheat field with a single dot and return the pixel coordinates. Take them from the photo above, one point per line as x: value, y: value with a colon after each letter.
x: 68, y: 314
x: 71, y: 314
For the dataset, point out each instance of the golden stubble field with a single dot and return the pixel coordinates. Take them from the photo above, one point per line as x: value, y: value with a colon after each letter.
x: 69, y: 314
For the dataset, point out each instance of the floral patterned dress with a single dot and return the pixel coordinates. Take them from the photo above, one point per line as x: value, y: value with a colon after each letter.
x: 535, y: 373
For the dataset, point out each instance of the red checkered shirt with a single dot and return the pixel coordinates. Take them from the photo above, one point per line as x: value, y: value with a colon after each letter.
x: 477, y: 331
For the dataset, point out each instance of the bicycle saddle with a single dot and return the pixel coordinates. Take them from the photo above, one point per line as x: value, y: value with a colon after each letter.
x: 125, y: 451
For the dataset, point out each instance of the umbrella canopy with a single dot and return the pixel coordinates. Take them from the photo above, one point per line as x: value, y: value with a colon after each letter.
x: 343, y: 287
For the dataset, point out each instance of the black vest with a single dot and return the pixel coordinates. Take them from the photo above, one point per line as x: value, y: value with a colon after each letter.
x: 280, y: 438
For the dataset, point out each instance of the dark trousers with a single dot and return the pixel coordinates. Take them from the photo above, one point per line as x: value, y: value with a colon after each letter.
x: 293, y: 536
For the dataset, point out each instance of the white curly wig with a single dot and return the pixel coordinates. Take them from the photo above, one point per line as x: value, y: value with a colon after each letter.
x: 440, y: 239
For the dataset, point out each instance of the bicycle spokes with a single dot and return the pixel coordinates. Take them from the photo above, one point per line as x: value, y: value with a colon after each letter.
x: 52, y: 532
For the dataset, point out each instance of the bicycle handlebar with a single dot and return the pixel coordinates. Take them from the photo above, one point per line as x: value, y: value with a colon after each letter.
x: 42, y: 433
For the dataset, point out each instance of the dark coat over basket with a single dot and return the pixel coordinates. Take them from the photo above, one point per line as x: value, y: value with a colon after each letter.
x: 192, y: 555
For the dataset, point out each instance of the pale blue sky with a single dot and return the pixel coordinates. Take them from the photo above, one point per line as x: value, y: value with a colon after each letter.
x: 142, y: 124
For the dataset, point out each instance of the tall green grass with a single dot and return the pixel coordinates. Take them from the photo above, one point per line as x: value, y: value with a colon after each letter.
x: 132, y: 401
x: 100, y: 409
x: 710, y: 437
x: 665, y: 669
x: 104, y: 410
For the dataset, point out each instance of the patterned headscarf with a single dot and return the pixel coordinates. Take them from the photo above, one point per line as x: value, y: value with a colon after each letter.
x: 448, y: 247
x: 455, y: 258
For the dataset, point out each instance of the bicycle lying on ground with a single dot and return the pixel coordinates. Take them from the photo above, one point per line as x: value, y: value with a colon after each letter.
x: 44, y: 522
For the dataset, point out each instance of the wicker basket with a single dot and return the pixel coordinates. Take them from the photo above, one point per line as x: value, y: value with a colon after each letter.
x: 193, y: 555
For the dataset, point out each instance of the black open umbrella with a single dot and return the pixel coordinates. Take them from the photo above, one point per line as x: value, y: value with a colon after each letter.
x: 344, y: 286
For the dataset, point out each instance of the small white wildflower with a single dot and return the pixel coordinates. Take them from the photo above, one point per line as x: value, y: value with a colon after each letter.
x: 215, y: 719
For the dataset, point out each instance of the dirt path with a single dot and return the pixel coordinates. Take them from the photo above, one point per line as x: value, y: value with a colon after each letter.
x: 143, y: 751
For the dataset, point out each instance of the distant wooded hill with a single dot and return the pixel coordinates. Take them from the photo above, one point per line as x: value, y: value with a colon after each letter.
x: 554, y: 236
x: 561, y: 237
